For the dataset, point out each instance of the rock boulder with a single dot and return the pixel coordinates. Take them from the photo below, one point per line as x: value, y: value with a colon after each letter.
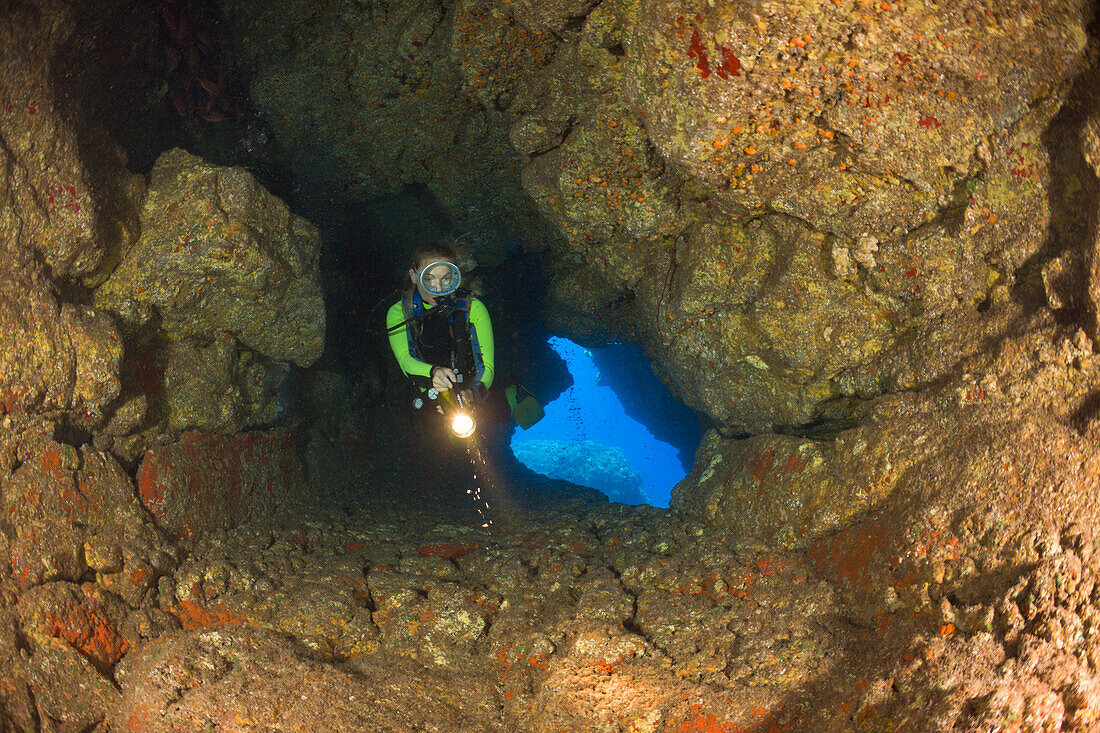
x: 205, y: 482
x: 218, y: 254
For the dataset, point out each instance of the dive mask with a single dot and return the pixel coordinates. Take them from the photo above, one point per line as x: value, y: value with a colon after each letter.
x: 440, y: 278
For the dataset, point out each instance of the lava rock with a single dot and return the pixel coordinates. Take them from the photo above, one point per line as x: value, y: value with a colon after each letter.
x: 207, y: 482
x: 232, y: 677
x: 219, y: 254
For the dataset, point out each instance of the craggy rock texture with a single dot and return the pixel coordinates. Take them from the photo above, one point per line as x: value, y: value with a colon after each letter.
x: 56, y: 357
x: 206, y: 482
x: 59, y: 217
x: 720, y: 178
x: 594, y: 620
x: 70, y: 510
x: 858, y: 119
x: 604, y: 617
x: 80, y: 557
x: 219, y: 295
x: 1089, y: 133
x: 243, y: 678
x: 933, y: 492
x: 866, y: 233
x: 219, y: 387
x: 86, y: 574
x: 368, y: 100
x: 1021, y: 657
x: 69, y: 209
x: 714, y: 275
x: 819, y: 200
x: 219, y: 254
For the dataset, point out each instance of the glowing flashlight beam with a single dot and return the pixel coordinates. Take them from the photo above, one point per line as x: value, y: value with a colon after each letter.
x: 463, y: 425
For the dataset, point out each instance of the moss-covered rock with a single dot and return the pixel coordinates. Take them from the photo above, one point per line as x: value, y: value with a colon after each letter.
x: 207, y: 482
x: 856, y: 119
x: 218, y: 254
x: 934, y: 492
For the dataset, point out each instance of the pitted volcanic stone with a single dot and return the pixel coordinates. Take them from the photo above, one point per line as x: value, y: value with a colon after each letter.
x: 205, y: 482
x: 59, y: 199
x: 219, y: 254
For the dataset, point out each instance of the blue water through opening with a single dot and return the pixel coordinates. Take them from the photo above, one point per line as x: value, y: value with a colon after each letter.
x: 588, y: 438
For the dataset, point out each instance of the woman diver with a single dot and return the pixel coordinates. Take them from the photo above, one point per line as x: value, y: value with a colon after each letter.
x: 440, y: 333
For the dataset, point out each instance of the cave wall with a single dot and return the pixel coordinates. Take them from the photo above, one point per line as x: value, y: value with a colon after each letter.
x: 872, y: 217
x: 718, y: 179
x: 799, y: 213
x: 808, y: 216
x: 366, y: 102
x: 802, y: 214
x: 99, y: 363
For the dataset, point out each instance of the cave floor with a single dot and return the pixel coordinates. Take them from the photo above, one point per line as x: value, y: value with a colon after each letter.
x: 394, y: 608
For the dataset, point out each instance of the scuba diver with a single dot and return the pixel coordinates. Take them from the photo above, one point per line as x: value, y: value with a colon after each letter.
x: 442, y: 338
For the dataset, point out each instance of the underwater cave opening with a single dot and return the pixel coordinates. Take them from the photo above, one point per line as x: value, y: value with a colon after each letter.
x: 617, y: 429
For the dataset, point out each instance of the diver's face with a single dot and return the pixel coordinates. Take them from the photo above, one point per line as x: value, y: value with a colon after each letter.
x: 437, y: 279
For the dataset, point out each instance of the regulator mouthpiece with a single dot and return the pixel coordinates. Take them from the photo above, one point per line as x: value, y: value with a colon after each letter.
x: 440, y: 278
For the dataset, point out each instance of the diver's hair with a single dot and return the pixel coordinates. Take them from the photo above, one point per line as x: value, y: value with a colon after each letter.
x: 433, y: 250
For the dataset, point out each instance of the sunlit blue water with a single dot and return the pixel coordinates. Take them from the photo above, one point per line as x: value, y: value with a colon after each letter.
x: 591, y: 411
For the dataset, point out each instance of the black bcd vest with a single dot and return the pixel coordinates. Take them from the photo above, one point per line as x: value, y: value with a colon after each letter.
x: 441, y: 335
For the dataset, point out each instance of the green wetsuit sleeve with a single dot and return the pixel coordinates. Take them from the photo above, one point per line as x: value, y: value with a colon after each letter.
x: 399, y: 345
x: 483, y: 329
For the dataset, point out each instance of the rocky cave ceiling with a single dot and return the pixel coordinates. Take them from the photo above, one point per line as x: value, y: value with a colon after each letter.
x: 778, y: 201
x: 858, y: 238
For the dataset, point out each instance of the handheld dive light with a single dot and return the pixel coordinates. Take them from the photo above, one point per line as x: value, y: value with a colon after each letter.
x: 457, y: 410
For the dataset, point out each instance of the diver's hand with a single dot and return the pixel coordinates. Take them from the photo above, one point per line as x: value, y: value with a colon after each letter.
x: 443, y: 378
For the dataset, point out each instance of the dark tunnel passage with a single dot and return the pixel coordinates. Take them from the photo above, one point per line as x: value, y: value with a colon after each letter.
x: 841, y: 258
